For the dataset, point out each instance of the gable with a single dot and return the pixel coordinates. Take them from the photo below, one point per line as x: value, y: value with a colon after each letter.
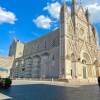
x: 81, y: 14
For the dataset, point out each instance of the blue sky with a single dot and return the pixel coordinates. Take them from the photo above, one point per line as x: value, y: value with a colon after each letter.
x: 29, y: 19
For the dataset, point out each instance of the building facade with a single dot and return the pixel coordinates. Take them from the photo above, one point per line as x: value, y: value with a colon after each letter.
x: 5, y: 66
x: 69, y: 52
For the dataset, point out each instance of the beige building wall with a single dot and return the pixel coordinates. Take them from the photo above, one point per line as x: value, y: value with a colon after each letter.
x: 40, y: 58
x: 16, y: 49
x: 5, y: 65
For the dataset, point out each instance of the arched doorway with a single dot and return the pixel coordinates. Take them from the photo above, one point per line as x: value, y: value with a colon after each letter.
x: 84, y: 69
x: 97, y: 67
x: 86, y: 62
x: 44, y: 65
x: 73, y: 66
x: 26, y: 71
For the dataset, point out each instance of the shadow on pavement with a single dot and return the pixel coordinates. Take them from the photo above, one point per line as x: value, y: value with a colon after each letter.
x: 51, y: 92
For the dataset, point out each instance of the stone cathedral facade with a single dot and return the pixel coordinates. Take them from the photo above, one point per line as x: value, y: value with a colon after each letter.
x: 69, y: 52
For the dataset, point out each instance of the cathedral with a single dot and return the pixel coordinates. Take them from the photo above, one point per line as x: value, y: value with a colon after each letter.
x: 69, y: 52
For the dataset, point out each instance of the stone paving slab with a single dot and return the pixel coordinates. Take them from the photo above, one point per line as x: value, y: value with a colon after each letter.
x: 3, y: 97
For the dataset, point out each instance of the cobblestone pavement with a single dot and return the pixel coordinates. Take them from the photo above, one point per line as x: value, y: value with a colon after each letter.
x: 34, y: 90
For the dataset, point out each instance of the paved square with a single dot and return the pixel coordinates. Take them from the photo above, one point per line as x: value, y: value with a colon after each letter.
x: 39, y: 90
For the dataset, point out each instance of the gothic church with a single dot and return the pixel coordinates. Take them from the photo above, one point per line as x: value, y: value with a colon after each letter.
x: 69, y: 52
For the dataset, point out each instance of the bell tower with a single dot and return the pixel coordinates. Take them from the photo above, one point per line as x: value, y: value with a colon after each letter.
x: 16, y: 49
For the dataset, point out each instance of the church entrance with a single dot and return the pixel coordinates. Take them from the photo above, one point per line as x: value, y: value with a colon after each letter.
x: 84, y: 72
x: 84, y: 69
x: 86, y: 61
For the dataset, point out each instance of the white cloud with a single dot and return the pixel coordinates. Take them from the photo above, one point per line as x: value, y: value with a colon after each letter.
x: 94, y: 10
x: 87, y: 2
x: 43, y: 22
x: 53, y: 9
x: 7, y: 16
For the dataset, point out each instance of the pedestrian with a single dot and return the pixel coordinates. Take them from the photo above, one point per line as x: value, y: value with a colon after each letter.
x: 99, y: 81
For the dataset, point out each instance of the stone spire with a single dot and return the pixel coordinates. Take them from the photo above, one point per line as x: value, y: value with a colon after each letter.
x: 87, y: 15
x: 74, y: 6
x: 73, y: 13
x: 88, y: 23
x: 63, y: 12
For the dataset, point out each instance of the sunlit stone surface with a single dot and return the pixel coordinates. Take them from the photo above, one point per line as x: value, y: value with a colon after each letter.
x: 4, y: 97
